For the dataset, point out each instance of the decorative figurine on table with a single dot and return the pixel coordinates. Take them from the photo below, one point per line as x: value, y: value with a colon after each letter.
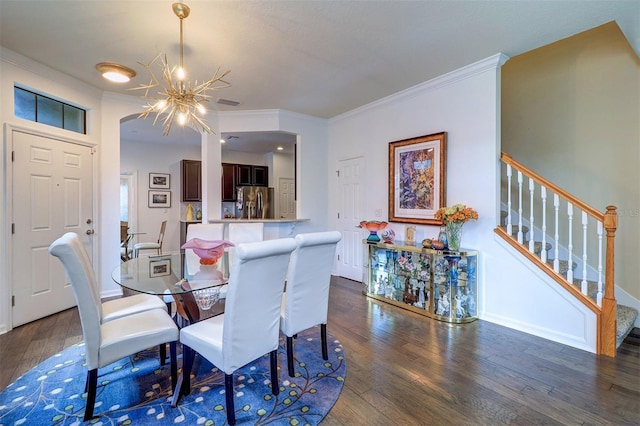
x: 421, y: 298
x: 388, y: 235
x: 373, y: 226
x: 409, y: 235
x: 471, y: 302
x: 383, y: 287
x: 389, y: 291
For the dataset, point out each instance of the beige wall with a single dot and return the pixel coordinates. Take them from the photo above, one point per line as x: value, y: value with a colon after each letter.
x: 571, y: 112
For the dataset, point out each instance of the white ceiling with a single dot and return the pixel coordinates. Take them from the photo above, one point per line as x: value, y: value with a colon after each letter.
x: 321, y: 58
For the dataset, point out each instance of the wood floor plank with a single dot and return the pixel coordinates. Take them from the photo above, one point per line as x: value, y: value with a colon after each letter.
x: 405, y: 369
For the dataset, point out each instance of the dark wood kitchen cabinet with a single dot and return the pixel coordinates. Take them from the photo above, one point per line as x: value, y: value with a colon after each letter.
x: 244, y: 174
x: 260, y: 175
x: 247, y: 174
x: 191, y: 171
x: 234, y: 175
x: 228, y: 182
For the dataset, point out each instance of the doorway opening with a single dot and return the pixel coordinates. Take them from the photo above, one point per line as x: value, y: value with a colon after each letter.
x: 128, y: 204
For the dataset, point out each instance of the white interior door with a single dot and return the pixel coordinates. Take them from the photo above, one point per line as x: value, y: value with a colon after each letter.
x: 286, y: 199
x: 52, y: 194
x: 350, y: 213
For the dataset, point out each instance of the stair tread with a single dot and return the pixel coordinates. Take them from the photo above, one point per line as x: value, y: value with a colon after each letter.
x: 625, y: 315
x: 563, y: 266
x: 625, y: 319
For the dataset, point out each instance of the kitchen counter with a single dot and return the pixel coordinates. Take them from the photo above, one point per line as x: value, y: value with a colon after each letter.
x: 256, y: 220
x: 273, y: 228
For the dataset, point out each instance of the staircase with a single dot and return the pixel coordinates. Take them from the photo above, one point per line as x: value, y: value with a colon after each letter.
x: 625, y: 315
x: 579, y: 256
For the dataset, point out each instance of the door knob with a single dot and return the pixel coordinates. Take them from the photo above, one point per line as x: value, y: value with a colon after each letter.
x: 90, y: 231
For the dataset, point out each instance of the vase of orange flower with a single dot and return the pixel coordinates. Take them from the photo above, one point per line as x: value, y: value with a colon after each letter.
x: 454, y: 217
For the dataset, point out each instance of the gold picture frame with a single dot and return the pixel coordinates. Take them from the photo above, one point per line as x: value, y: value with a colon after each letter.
x: 417, y: 170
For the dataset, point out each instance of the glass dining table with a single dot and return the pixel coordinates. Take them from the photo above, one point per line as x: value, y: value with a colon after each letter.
x: 179, y: 278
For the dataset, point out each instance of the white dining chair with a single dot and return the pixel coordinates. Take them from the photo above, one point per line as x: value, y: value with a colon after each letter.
x: 157, y: 245
x: 239, y: 233
x: 115, y: 308
x: 306, y: 300
x: 249, y: 327
x: 109, y: 341
x: 246, y: 232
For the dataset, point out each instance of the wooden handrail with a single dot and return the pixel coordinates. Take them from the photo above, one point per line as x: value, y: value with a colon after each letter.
x: 606, y: 314
x: 506, y: 158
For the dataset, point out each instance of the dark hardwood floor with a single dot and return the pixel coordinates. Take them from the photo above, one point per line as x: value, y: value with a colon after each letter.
x: 404, y: 369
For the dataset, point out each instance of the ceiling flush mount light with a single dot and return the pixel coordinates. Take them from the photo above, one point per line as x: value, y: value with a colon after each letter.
x: 175, y: 99
x: 115, y: 72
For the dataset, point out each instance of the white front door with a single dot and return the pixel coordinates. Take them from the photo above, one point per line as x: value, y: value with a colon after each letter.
x: 350, y: 211
x: 287, y: 199
x: 52, y: 194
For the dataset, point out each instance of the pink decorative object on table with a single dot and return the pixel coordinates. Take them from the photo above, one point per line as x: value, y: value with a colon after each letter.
x: 209, y: 252
x: 373, y: 226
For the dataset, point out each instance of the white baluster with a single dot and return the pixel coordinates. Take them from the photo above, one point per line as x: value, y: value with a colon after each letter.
x: 509, y: 226
x: 543, y: 196
x: 570, y: 244
x: 556, y: 236
x: 520, y: 239
x: 531, y: 233
x: 584, y: 254
x: 599, y: 294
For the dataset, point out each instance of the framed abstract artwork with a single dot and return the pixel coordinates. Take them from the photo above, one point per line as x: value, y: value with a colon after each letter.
x: 417, y: 179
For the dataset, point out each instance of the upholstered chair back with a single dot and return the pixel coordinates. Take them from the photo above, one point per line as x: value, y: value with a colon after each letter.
x: 307, y: 293
x: 69, y: 249
x: 252, y: 310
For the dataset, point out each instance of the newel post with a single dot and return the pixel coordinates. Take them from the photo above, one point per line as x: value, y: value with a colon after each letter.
x: 608, y: 319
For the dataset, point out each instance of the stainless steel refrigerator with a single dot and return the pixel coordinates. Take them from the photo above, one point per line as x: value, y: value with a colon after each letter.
x: 254, y: 202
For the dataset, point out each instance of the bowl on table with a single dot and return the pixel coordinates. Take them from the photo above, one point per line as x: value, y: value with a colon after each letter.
x: 208, y: 251
x: 373, y: 226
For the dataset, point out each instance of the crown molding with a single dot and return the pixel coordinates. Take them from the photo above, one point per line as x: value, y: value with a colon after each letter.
x: 491, y: 63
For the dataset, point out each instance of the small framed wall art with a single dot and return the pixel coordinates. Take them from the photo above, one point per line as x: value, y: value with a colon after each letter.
x: 159, y: 181
x: 417, y: 179
x: 159, y: 198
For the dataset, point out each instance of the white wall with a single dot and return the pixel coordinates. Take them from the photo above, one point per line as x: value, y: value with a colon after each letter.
x: 241, y: 157
x: 466, y: 104
x: 18, y: 70
x: 282, y: 166
x: 145, y: 158
x: 572, y: 114
x: 312, y: 159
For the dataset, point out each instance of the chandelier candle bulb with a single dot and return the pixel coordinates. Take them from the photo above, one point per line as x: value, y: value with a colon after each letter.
x: 181, y: 99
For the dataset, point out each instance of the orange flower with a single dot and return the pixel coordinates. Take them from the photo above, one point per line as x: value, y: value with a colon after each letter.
x: 457, y: 213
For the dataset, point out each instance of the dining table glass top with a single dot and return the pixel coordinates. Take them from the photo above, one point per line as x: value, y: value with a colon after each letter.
x: 170, y: 274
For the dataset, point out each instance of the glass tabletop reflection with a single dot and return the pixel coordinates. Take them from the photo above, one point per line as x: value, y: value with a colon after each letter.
x: 170, y: 274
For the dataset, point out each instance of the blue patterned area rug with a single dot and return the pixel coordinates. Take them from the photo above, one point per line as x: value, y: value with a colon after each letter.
x: 136, y: 390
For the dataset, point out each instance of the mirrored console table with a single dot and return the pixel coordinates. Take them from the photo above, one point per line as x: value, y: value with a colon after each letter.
x: 439, y: 284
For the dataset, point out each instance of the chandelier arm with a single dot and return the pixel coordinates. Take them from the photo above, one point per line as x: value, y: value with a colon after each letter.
x: 175, y: 97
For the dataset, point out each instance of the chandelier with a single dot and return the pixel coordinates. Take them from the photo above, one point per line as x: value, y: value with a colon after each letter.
x: 175, y: 99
